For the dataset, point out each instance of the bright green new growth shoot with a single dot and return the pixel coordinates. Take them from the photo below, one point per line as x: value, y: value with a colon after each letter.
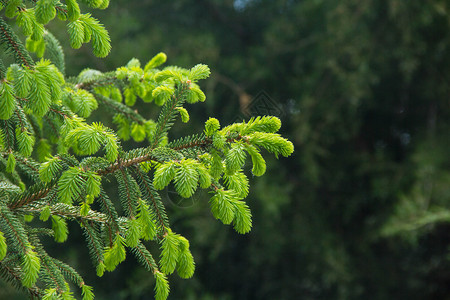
x: 54, y: 162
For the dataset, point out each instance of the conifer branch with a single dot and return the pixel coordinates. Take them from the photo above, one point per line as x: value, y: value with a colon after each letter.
x: 8, y: 37
x: 126, y: 163
x: 128, y: 197
x: 119, y: 165
x: 145, y: 256
x: 19, y: 117
x: 168, y: 113
x: 2, y: 70
x: 110, y: 212
x: 68, y: 271
x: 39, y: 194
x: 13, y: 275
x: 64, y: 210
x: 155, y: 201
x: 29, y: 164
x: 201, y: 141
x: 8, y: 130
x: 47, y: 264
x: 61, y: 112
x: 31, y: 198
x: 8, y: 219
x: 93, y: 242
x: 64, y: 187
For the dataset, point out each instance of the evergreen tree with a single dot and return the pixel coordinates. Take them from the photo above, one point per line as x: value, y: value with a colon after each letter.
x: 54, y: 163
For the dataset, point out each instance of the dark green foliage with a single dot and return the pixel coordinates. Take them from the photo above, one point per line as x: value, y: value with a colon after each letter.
x: 56, y: 165
x: 362, y: 91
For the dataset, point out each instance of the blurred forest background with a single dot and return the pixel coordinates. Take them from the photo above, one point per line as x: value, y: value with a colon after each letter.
x: 362, y: 208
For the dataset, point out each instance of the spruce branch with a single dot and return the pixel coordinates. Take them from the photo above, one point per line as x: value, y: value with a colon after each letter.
x: 168, y: 113
x: 22, y: 122
x: 145, y: 258
x: 30, y: 166
x: 8, y: 131
x: 133, y: 161
x: 52, y: 274
x: 28, y: 163
x: 13, y: 226
x: 149, y: 193
x: 64, y: 187
x: 120, y: 164
x: 95, y: 246
x: 129, y: 193
x: 194, y: 141
x: 69, y: 272
x: 2, y: 70
x: 42, y: 192
x: 109, y: 210
x: 13, y: 275
x: 13, y: 44
x: 61, y: 111
x: 29, y: 198
x: 64, y: 210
